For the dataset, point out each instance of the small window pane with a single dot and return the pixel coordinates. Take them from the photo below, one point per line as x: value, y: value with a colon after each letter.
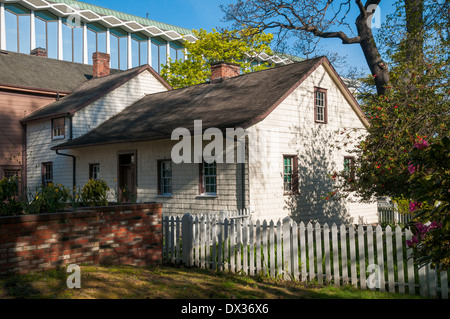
x: 11, y: 31
x: 47, y: 173
x: 58, y: 128
x: 41, y: 31
x: 94, y: 171
x: 210, y: 178
x: 166, y: 177
x: 24, y: 34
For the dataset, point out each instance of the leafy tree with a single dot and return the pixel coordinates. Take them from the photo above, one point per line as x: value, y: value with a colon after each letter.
x: 309, y: 21
x: 415, y: 106
x: 405, y: 153
x: 239, y: 47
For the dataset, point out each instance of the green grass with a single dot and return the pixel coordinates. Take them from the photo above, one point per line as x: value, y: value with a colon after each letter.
x: 115, y: 282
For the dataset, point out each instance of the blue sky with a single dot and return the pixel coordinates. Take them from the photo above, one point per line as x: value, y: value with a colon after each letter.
x: 206, y: 14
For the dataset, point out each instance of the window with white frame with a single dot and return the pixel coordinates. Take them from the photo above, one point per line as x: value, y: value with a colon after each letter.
x: 290, y: 174
x: 320, y: 105
x: 58, y: 128
x: 47, y: 173
x: 208, y: 178
x: 94, y: 171
x: 165, y: 177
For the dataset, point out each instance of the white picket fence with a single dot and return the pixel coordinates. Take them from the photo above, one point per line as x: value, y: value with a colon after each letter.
x: 362, y: 256
x: 391, y: 215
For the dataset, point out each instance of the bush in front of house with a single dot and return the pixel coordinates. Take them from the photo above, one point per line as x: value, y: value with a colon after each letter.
x: 10, y: 204
x: 50, y: 199
x: 94, y: 193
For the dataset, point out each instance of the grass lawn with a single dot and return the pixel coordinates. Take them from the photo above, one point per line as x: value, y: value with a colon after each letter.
x: 116, y: 282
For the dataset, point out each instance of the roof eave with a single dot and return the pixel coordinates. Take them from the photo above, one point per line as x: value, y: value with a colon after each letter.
x: 103, y: 93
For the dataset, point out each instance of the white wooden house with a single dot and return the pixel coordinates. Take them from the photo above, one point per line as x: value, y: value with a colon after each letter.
x: 118, y: 128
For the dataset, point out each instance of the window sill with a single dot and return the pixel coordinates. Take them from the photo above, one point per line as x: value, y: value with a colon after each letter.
x: 206, y: 196
x: 291, y: 194
x: 58, y: 138
x: 165, y: 196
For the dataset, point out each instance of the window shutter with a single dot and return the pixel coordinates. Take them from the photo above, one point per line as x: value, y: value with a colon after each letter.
x: 201, y: 188
x: 295, y: 181
x: 159, y: 177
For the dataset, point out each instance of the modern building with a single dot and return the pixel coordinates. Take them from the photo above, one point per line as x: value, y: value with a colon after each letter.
x: 72, y: 31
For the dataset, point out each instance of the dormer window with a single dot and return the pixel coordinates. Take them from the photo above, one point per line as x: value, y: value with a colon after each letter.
x: 58, y: 128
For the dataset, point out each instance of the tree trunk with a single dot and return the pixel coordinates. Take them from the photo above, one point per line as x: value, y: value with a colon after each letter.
x: 376, y: 64
x: 414, y: 28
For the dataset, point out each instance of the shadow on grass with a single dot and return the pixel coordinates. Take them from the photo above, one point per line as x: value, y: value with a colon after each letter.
x: 115, y: 282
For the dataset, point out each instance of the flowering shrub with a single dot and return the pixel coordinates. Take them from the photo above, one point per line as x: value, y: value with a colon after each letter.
x: 50, y: 199
x: 421, y: 232
x: 430, y: 188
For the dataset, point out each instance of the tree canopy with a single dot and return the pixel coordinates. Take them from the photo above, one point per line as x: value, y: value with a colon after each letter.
x: 241, y: 47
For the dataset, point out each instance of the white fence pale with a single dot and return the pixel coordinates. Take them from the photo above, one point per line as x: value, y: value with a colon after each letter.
x: 391, y: 215
x: 364, y: 256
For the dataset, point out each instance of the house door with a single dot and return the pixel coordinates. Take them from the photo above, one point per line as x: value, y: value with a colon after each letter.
x: 127, y: 177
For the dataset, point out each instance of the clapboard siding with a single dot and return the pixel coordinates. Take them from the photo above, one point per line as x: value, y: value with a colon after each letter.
x: 114, y: 102
x: 291, y: 130
x: 185, y: 177
x: 40, y: 140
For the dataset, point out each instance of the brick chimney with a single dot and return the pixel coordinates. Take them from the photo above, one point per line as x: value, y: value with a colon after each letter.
x: 224, y: 70
x: 101, y: 64
x: 39, y: 52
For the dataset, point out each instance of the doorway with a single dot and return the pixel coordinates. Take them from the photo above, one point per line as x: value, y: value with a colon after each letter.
x: 127, y: 177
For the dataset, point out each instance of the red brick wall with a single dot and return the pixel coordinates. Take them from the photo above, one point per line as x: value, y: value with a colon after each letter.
x: 123, y: 235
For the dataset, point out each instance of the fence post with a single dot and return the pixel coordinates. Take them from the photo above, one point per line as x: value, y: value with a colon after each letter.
x: 187, y: 239
x: 287, y: 247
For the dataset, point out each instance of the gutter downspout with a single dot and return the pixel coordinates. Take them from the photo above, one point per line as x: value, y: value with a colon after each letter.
x: 74, y: 163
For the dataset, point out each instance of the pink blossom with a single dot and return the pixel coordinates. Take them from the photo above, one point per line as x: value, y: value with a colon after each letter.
x: 411, y: 168
x: 414, y: 240
x: 414, y: 205
x: 421, y: 144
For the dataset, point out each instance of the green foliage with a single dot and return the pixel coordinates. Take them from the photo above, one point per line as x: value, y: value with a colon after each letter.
x: 239, y: 47
x: 395, y: 158
x: 94, y: 193
x: 402, y: 205
x: 415, y: 106
x: 50, y: 199
x: 10, y: 204
x: 430, y: 180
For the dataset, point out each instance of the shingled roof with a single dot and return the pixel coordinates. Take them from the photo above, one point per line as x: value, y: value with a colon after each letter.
x: 236, y: 102
x: 88, y: 92
x: 26, y: 71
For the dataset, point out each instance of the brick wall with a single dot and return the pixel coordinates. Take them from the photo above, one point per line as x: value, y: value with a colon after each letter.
x: 123, y: 235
